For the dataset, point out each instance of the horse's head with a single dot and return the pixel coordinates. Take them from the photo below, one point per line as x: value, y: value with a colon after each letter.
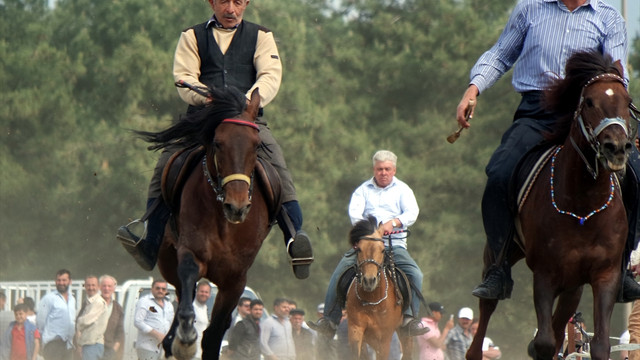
x: 594, y: 109
x: 234, y: 151
x: 366, y: 238
x: 603, y: 118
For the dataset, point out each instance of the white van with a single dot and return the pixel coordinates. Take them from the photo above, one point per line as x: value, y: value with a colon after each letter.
x: 127, y: 294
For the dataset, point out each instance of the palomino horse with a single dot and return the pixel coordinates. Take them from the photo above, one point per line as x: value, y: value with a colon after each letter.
x: 572, y: 223
x: 214, y: 236
x: 373, y: 312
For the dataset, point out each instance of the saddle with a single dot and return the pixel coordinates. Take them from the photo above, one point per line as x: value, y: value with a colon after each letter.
x: 183, y: 162
x: 401, y: 281
x: 524, y: 176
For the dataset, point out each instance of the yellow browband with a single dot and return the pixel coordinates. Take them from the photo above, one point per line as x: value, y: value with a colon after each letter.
x: 232, y: 177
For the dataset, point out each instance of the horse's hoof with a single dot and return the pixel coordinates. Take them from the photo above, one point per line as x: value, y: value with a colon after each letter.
x: 299, y: 248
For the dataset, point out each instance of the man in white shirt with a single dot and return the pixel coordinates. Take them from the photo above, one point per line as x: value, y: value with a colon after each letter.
x: 153, y: 317
x: 394, y: 205
x: 56, y: 319
x: 203, y: 292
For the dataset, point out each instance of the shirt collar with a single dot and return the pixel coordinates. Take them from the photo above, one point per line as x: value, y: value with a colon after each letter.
x: 215, y: 23
x: 592, y: 3
x: 372, y: 183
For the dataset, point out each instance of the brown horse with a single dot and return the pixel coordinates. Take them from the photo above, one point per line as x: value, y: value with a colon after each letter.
x: 222, y: 218
x: 373, y: 312
x: 572, y: 225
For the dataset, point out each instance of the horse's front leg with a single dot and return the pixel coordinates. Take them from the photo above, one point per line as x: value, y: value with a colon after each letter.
x: 487, y: 307
x: 383, y: 348
x: 226, y: 301
x: 407, y: 347
x: 567, y: 304
x: 543, y: 296
x: 184, y: 344
x: 355, y: 337
x: 604, y: 297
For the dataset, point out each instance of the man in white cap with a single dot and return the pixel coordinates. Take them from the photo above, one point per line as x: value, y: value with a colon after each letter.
x: 459, y: 338
x: 320, y: 310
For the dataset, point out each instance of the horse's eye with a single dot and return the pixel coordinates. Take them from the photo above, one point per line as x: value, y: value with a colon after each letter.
x: 588, y: 102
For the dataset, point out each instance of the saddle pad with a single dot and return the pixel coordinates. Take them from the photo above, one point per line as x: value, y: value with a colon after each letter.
x: 539, y: 160
x: 273, y: 190
x: 524, y: 177
x: 176, y: 171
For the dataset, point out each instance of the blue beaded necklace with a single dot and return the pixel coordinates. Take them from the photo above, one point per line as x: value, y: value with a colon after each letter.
x: 582, y: 219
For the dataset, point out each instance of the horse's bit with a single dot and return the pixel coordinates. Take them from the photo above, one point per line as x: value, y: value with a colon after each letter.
x: 590, y: 134
x: 217, y: 186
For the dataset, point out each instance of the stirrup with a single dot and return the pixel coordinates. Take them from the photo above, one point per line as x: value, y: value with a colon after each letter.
x: 128, y: 238
x: 301, y: 255
x: 414, y: 328
x: 323, y: 326
x: 134, y: 245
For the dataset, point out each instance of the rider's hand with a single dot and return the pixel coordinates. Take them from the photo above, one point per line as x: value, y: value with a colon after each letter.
x: 465, y: 108
x: 387, y: 228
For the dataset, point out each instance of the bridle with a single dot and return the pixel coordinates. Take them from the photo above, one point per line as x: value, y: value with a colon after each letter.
x: 218, y: 185
x: 380, y: 267
x: 591, y: 134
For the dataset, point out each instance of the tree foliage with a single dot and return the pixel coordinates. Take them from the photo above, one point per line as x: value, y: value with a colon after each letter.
x: 358, y: 76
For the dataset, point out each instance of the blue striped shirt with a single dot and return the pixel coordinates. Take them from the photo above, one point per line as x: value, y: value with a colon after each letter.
x: 542, y: 34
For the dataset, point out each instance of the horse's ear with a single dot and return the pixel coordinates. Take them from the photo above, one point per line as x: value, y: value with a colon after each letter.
x: 618, y: 66
x: 254, y: 104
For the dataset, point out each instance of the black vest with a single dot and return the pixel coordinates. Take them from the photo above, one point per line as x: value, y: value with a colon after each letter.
x: 235, y: 67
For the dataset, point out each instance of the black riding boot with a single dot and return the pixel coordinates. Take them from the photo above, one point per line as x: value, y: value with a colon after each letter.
x: 144, y: 248
x: 296, y: 240
x: 497, y: 283
x: 630, y: 290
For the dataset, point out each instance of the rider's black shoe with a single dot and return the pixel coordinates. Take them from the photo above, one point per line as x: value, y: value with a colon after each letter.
x: 301, y: 253
x: 137, y: 246
x: 413, y: 328
x: 497, y: 285
x: 324, y: 327
x: 630, y: 288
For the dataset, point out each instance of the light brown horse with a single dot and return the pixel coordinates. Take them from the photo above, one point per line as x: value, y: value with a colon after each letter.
x: 222, y: 218
x: 373, y: 312
x: 573, y: 224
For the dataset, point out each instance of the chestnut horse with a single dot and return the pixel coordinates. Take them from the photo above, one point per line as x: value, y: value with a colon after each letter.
x: 222, y: 219
x: 373, y: 312
x: 572, y: 225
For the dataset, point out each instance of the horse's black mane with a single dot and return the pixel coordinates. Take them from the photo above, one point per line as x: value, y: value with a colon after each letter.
x: 198, y: 128
x: 564, y: 94
x: 362, y: 228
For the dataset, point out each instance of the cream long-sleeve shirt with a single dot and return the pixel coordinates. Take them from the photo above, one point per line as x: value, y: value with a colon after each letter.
x: 266, y: 60
x: 93, y: 322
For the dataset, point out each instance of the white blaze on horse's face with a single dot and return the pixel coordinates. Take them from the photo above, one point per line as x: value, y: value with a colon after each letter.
x: 609, y: 92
